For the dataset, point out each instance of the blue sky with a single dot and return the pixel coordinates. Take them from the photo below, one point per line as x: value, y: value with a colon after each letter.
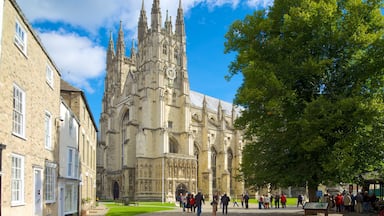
x: 76, y: 35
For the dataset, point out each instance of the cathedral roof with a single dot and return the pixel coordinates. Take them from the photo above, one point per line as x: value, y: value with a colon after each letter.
x: 197, y: 99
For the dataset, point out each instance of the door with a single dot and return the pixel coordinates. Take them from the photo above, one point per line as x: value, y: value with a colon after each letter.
x: 38, y: 193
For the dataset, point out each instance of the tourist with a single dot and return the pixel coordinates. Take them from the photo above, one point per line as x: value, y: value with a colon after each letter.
x: 339, y: 202
x: 300, y: 200
x: 199, y: 200
x: 277, y: 200
x: 261, y: 201
x: 214, y: 203
x: 283, y: 200
x: 359, y: 202
x: 266, y: 201
x: 347, y: 201
x: 192, y: 203
x: 225, y: 201
x: 246, y: 199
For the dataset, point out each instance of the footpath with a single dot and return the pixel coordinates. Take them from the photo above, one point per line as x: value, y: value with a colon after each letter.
x: 101, y: 210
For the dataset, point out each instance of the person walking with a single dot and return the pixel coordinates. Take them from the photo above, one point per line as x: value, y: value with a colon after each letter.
x: 199, y: 200
x: 300, y: 200
x: 214, y: 203
x: 225, y: 201
x: 246, y: 199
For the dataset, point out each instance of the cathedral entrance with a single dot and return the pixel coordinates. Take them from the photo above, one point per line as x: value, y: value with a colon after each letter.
x: 115, y: 190
x: 181, y: 189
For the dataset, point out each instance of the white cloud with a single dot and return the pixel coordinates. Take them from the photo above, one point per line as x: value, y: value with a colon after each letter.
x: 81, y: 58
x: 78, y: 58
x: 259, y: 3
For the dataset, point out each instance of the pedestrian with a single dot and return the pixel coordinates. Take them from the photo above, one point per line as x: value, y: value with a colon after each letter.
x: 277, y: 200
x: 359, y: 202
x: 339, y: 202
x: 246, y: 199
x: 347, y: 201
x: 266, y: 201
x: 283, y: 200
x: 235, y: 203
x: 242, y: 200
x: 199, y: 200
x: 300, y: 200
x: 192, y: 203
x: 225, y: 201
x: 184, y: 201
x: 214, y: 203
x: 261, y: 202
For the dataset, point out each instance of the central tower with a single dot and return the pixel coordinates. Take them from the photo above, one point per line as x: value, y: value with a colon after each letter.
x: 145, y: 132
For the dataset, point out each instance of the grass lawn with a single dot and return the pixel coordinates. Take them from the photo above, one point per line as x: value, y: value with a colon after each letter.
x: 290, y: 201
x: 144, y: 207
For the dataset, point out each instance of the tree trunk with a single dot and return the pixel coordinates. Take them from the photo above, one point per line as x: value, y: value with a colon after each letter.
x: 312, y: 193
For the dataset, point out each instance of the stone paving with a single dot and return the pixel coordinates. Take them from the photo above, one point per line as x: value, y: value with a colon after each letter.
x: 101, y: 210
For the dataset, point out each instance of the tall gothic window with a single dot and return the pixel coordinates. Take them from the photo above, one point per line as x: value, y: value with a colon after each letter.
x: 230, y: 158
x: 213, y: 168
x: 124, y: 136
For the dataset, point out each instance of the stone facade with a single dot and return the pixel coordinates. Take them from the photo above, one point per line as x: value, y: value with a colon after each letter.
x: 29, y: 110
x: 158, y: 138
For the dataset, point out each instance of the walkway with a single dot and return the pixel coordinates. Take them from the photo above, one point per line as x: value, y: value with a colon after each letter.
x: 101, y: 210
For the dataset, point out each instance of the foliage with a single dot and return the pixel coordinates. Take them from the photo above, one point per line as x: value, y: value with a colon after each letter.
x: 145, y: 207
x: 312, y: 91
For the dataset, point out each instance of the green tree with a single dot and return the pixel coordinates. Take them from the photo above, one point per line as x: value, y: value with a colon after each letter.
x: 312, y: 91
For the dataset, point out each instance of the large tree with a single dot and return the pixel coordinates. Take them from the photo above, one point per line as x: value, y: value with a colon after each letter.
x: 312, y: 91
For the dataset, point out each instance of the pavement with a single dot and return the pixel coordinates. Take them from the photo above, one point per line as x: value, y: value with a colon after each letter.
x: 101, y: 210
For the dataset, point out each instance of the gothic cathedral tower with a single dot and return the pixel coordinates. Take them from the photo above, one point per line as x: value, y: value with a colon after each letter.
x: 145, y: 122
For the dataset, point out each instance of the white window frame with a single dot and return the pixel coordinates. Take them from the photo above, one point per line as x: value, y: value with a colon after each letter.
x: 49, y: 75
x: 70, y: 202
x: 18, y: 115
x: 73, y: 163
x: 17, y: 180
x: 50, y: 182
x: 20, y: 37
x: 48, y: 130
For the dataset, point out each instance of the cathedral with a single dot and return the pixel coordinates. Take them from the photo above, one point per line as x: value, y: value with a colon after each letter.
x: 157, y: 137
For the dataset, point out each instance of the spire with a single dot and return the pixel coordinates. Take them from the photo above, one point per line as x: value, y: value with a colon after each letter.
x: 219, y: 111
x: 180, y: 27
x: 120, y: 41
x: 143, y: 25
x: 168, y: 24
x: 111, y: 46
x: 133, y: 51
x: 156, y: 16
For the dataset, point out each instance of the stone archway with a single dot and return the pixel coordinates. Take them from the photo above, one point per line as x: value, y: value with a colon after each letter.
x: 116, y: 190
x: 181, y: 189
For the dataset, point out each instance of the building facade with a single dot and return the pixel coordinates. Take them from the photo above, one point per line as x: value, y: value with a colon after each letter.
x: 157, y: 137
x: 69, y: 172
x: 29, y: 119
x: 87, y: 142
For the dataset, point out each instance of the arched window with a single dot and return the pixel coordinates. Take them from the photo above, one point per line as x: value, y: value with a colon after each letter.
x: 173, y: 146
